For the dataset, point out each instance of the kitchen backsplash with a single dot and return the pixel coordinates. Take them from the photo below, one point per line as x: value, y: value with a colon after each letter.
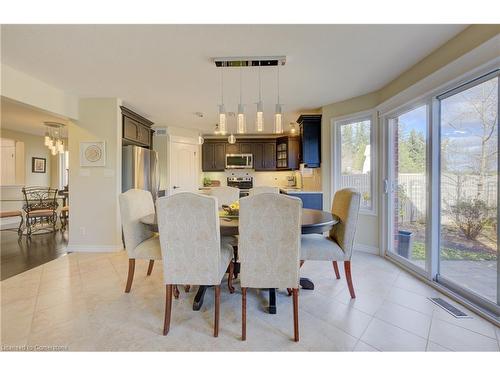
x: 279, y: 178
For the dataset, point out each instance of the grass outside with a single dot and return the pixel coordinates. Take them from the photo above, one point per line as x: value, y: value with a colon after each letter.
x: 418, y: 253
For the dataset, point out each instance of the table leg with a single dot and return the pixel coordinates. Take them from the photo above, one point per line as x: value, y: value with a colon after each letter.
x: 272, y: 301
x: 198, y: 298
x: 306, y: 283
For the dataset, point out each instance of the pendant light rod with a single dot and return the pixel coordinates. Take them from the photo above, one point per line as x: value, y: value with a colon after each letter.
x: 260, y: 86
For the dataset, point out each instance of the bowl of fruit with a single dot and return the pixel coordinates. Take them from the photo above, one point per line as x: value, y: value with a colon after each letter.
x: 233, y: 209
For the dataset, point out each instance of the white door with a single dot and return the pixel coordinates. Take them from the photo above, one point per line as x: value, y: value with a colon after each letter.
x: 8, y: 162
x: 184, y: 169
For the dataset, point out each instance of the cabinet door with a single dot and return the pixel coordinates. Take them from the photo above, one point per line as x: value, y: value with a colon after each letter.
x: 233, y: 148
x: 293, y: 153
x: 258, y: 156
x: 220, y: 157
x: 311, y: 143
x: 269, y: 156
x: 129, y: 129
x: 246, y: 148
x: 208, y: 157
x: 143, y: 135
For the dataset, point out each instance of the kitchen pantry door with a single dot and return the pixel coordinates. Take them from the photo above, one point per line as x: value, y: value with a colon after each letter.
x: 183, y: 166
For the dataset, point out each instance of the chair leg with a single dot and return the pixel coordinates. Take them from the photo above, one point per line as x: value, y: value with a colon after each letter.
x: 235, y: 255
x: 295, y: 314
x: 289, y: 290
x: 20, y: 229
x: 243, y: 314
x: 176, y: 292
x: 336, y: 269
x: 348, y: 276
x: 230, y: 278
x: 217, y: 307
x: 168, y: 309
x: 150, y: 266
x: 130, y: 278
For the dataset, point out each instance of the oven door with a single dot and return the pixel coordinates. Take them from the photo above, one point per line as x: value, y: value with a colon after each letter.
x: 239, y: 161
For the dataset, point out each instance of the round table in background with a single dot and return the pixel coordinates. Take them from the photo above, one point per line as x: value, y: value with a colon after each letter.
x: 313, y: 221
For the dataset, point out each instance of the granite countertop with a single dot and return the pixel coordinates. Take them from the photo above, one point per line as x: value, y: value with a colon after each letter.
x: 289, y: 190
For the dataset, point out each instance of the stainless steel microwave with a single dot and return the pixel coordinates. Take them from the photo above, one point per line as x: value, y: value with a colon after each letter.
x: 239, y: 161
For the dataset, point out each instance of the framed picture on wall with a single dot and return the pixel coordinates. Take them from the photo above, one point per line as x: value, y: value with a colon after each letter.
x: 38, y: 165
x: 92, y: 154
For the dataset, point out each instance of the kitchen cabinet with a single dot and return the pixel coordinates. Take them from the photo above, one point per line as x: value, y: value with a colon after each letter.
x: 310, y: 200
x: 264, y: 156
x: 213, y: 156
x: 263, y: 150
x: 310, y: 145
x: 136, y: 130
x: 233, y: 148
x: 287, y: 153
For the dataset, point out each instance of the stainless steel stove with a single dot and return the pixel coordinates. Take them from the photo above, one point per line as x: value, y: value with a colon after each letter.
x: 244, y: 183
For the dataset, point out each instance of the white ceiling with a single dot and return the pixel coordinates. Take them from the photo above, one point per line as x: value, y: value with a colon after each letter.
x: 165, y: 71
x: 26, y: 119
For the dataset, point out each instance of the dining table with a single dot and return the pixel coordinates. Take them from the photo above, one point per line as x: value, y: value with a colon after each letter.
x: 313, y: 221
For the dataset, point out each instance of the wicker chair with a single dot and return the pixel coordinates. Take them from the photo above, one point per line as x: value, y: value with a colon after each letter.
x: 40, y: 207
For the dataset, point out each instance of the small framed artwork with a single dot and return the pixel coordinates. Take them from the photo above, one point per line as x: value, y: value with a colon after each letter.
x: 38, y: 165
x: 92, y: 154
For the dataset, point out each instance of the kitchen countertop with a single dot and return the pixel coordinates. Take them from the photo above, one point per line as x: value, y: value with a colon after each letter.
x: 288, y: 190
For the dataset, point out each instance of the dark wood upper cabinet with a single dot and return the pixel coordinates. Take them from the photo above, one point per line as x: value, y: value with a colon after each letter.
x: 287, y: 153
x: 220, y: 156
x: 213, y: 156
x: 233, y: 148
x: 246, y: 148
x: 136, y: 130
x: 310, y: 135
x: 263, y: 150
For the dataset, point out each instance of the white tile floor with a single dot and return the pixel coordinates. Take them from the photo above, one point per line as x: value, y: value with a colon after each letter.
x: 77, y: 302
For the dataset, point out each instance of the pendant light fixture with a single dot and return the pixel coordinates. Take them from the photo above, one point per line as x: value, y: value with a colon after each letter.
x: 241, y: 126
x: 259, y: 121
x: 222, y: 109
x: 278, y: 115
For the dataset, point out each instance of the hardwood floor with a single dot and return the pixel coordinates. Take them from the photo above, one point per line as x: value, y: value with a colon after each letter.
x: 20, y: 256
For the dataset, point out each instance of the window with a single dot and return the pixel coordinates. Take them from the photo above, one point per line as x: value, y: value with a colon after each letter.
x: 354, y: 158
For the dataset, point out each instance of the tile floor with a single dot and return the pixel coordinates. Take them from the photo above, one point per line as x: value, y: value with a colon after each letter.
x: 76, y: 302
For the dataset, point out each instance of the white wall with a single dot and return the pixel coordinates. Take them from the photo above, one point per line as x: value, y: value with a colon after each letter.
x: 26, y: 89
x: 33, y: 147
x: 95, y: 223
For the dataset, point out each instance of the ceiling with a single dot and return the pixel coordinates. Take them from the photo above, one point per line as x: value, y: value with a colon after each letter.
x: 165, y: 72
x: 24, y: 118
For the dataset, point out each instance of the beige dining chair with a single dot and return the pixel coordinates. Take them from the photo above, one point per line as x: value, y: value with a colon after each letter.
x: 338, y: 245
x: 225, y: 194
x: 269, y: 247
x: 140, y: 242
x: 264, y: 189
x: 191, y: 246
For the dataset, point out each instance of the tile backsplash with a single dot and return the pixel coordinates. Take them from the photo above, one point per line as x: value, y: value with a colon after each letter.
x: 278, y: 178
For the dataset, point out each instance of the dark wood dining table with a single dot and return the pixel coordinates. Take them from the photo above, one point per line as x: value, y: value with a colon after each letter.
x: 313, y: 221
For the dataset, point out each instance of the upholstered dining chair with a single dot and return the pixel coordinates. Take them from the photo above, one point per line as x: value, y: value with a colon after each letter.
x: 337, y: 246
x: 264, y: 189
x: 191, y: 246
x: 225, y: 194
x: 269, y: 246
x: 140, y: 242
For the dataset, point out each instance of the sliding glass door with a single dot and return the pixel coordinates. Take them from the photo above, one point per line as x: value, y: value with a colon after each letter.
x: 442, y: 189
x: 407, y: 185
x: 469, y: 188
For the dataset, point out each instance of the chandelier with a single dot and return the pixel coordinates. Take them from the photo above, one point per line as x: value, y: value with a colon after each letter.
x: 53, y: 138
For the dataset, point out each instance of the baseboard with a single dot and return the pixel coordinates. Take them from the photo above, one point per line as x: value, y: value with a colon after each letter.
x: 366, y: 248
x: 93, y: 248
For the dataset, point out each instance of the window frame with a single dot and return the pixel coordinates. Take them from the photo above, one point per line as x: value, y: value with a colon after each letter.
x: 336, y: 125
